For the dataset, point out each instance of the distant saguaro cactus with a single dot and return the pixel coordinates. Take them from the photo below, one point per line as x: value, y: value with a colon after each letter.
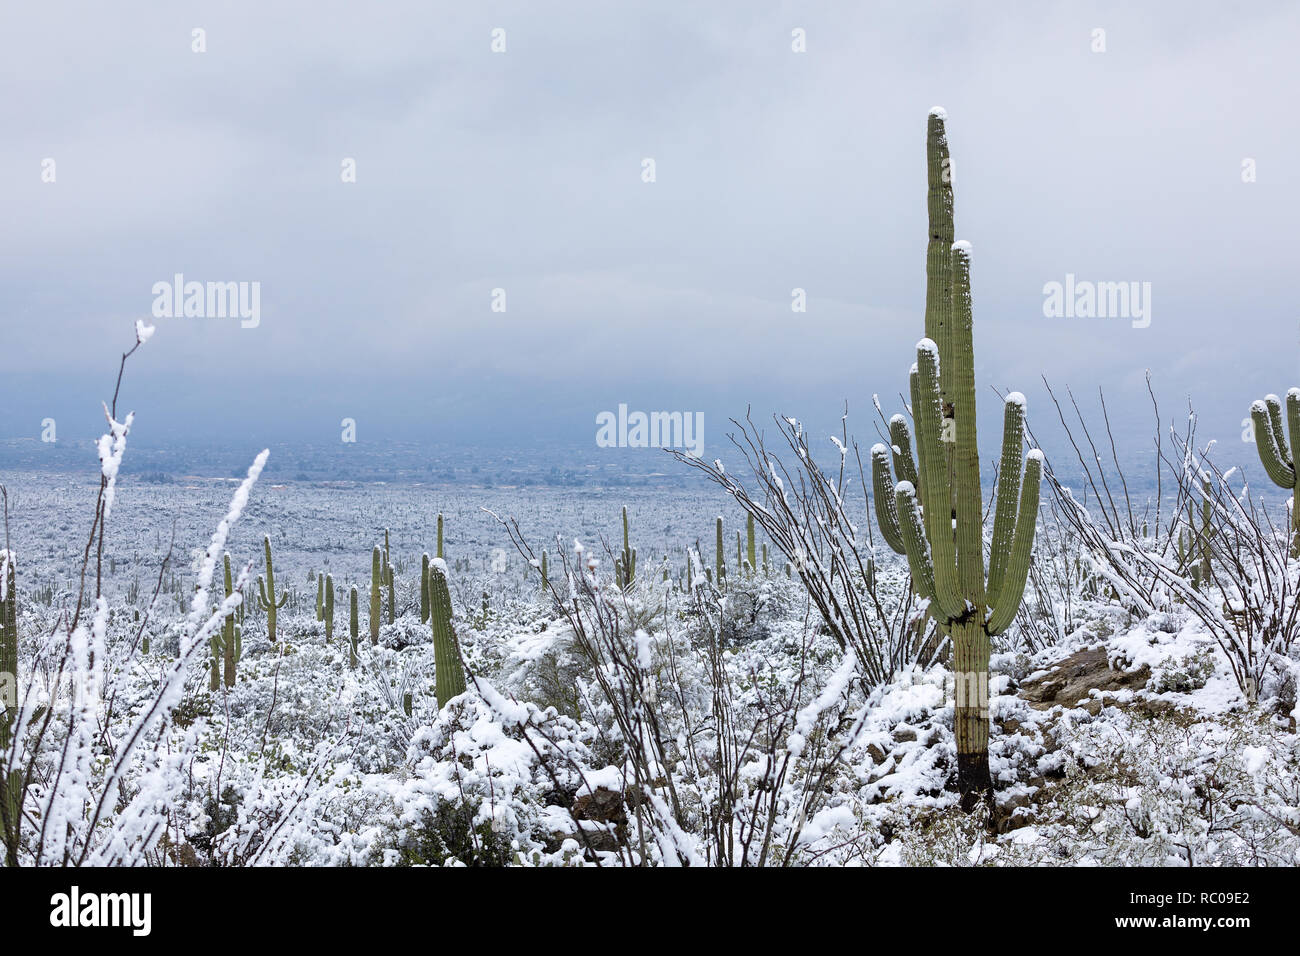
x: 750, y: 552
x: 1280, y: 462
x: 448, y: 672
x: 721, y: 557
x: 232, y: 636
x: 354, y: 627
x: 328, y: 609
x: 376, y: 593
x: 266, y: 599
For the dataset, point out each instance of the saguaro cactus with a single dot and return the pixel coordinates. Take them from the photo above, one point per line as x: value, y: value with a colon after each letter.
x: 448, y: 673
x: 266, y: 599
x: 354, y: 627
x: 376, y: 594
x: 439, y: 554
x: 546, y: 580
x: 939, y: 524
x: 424, y: 587
x: 628, y: 560
x: 8, y: 625
x: 749, y: 544
x: 328, y: 609
x: 721, y: 558
x: 232, y: 638
x: 320, y: 597
x: 1280, y: 462
x: 11, y: 785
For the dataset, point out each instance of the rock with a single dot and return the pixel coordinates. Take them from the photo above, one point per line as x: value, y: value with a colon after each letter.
x: 904, y: 734
x: 601, y: 806
x: 1077, y: 676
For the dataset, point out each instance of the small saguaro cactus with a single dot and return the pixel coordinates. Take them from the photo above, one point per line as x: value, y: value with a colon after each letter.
x: 545, y: 575
x: 8, y: 622
x: 232, y: 637
x: 720, y: 558
x: 320, y: 597
x: 266, y: 599
x: 1280, y: 462
x: 439, y: 554
x: 939, y: 523
x: 448, y: 673
x: 328, y: 608
x: 750, y: 553
x: 424, y: 587
x: 376, y: 597
x: 628, y: 562
x: 740, y: 558
x: 354, y: 627
x: 392, y: 593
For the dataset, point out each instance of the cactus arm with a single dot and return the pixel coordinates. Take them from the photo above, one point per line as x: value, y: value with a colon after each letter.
x: 1271, y: 444
x: 1008, y: 490
x: 449, y: 675
x: 882, y: 491
x: 262, y: 602
x: 913, y: 535
x: 934, y: 469
x: 960, y: 372
x: 1017, y: 571
x: 901, y: 440
x: 284, y: 597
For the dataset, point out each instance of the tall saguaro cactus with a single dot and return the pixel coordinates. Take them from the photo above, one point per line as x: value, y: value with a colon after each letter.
x: 627, y: 575
x: 448, y: 673
x: 934, y: 513
x: 266, y: 599
x: 376, y: 593
x: 328, y: 608
x: 720, y: 557
x: 750, y: 554
x: 354, y: 627
x: 8, y: 626
x: 232, y: 639
x: 11, y: 784
x: 1281, y: 463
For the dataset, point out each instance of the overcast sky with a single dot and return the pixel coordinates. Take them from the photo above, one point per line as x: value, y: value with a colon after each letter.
x: 522, y: 170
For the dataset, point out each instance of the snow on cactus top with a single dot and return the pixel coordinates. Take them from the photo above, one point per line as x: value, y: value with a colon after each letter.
x: 1015, y: 398
x: 962, y: 246
x: 939, y: 112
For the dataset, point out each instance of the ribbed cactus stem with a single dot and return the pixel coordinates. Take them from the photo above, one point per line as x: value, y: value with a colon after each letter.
x: 8, y: 625
x: 354, y: 626
x: 440, y: 554
x: 545, y: 574
x: 424, y: 587
x: 448, y: 672
x: 720, y: 561
x: 320, y: 597
x: 750, y: 546
x: 266, y: 598
x: 390, y: 581
x: 376, y: 592
x: 328, y: 608
x: 943, y: 534
x: 628, y: 563
x: 231, y: 634
x: 1271, y: 440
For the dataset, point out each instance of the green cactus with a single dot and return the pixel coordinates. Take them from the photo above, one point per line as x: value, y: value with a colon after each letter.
x: 392, y: 593
x: 376, y: 593
x: 328, y: 609
x: 8, y: 621
x: 11, y: 785
x: 232, y: 638
x: 628, y: 563
x: 320, y: 597
x: 1279, y: 460
x: 938, y: 524
x: 740, y: 558
x: 546, y: 580
x: 439, y: 554
x: 750, y: 553
x: 448, y: 672
x: 424, y: 587
x: 354, y: 627
x: 766, y: 570
x: 266, y: 593
x: 721, y: 558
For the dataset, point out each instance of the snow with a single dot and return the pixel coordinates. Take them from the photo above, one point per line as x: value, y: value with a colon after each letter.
x: 1015, y: 398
